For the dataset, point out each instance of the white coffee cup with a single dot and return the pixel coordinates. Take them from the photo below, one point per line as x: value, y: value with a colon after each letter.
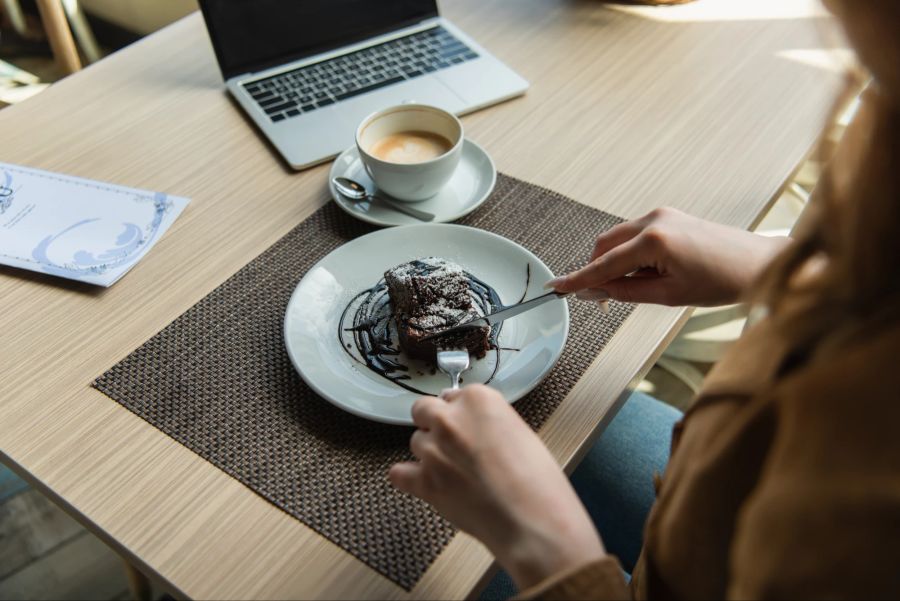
x: 410, y: 181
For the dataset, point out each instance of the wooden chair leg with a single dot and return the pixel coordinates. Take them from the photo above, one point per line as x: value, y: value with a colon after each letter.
x: 14, y: 13
x: 138, y: 584
x: 59, y: 34
x: 82, y: 31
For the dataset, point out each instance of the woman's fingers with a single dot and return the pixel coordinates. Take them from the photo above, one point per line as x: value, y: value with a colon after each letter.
x: 617, y: 263
x: 642, y: 289
x: 407, y: 476
x: 614, y: 237
x: 593, y: 294
x: 451, y: 394
x: 424, y: 410
x: 421, y: 445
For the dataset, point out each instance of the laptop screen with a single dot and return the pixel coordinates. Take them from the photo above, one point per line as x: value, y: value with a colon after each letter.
x: 251, y: 35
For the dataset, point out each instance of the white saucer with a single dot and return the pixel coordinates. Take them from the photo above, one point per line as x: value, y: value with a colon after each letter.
x: 470, y: 185
x: 530, y: 343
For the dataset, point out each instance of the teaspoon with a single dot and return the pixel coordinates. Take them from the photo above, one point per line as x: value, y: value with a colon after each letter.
x: 356, y: 191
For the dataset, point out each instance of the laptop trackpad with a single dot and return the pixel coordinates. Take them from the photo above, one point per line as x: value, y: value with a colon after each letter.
x: 422, y: 90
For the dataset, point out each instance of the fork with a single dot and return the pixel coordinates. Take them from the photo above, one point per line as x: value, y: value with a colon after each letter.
x: 453, y: 363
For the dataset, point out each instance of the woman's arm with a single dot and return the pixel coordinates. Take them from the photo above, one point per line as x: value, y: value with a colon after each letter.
x: 668, y: 257
x: 484, y: 469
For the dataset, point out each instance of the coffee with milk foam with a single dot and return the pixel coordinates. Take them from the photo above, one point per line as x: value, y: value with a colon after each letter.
x: 410, y: 147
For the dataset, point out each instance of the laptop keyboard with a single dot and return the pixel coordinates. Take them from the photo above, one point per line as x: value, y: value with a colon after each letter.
x: 309, y: 88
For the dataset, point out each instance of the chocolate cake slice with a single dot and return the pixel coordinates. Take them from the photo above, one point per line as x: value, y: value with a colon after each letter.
x: 429, y: 295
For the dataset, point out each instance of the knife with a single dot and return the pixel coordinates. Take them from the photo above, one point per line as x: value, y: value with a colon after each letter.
x: 501, y: 315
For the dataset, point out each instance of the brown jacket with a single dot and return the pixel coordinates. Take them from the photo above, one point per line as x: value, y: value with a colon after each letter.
x: 783, y: 484
x: 792, y: 493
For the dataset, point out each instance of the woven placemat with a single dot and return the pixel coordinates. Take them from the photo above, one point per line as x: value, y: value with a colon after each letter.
x: 218, y: 380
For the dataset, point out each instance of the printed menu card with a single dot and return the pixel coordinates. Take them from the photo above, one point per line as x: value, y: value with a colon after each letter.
x: 76, y: 228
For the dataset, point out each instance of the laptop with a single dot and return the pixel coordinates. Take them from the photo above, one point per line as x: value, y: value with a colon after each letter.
x: 307, y: 72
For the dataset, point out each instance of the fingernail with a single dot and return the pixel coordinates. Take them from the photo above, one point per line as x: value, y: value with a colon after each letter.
x: 444, y: 393
x: 592, y: 294
x: 604, y: 306
x: 552, y: 284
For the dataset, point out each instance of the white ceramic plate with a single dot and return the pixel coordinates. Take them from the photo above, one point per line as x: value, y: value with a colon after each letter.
x: 311, y: 323
x: 470, y: 185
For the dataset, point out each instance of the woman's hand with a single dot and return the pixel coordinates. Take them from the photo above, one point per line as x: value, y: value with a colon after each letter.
x: 670, y: 258
x: 484, y: 469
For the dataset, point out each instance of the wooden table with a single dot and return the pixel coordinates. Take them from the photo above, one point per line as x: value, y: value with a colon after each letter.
x: 628, y: 110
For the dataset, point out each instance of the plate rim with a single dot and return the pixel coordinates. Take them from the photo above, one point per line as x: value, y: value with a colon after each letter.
x: 368, y: 219
x: 408, y: 421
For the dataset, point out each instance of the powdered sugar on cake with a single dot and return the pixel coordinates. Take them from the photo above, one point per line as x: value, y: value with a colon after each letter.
x: 433, y: 294
x: 439, y: 315
x: 434, y: 267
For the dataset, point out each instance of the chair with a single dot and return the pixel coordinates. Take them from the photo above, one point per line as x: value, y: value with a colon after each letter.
x: 60, y: 18
x: 710, y: 331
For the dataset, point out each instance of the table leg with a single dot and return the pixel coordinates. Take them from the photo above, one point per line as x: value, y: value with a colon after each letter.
x: 59, y: 34
x: 138, y: 584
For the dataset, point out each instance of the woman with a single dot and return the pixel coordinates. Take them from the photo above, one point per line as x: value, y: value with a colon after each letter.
x: 784, y: 480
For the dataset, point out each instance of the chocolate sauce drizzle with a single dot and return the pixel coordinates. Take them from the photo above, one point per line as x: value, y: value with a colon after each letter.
x: 369, y: 323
